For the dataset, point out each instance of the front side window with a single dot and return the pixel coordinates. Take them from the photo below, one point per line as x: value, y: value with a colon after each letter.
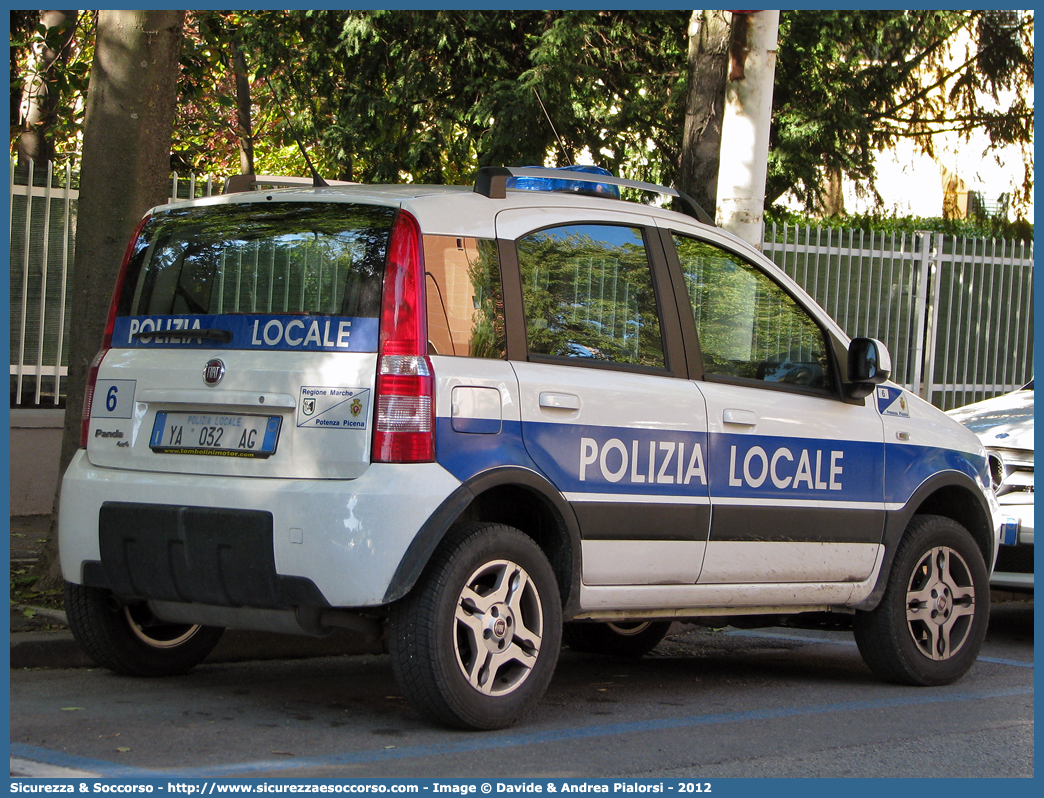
x: 588, y: 295
x: 749, y: 327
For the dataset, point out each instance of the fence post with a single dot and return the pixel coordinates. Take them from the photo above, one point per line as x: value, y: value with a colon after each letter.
x: 25, y: 284
x: 920, y: 297
x: 931, y: 331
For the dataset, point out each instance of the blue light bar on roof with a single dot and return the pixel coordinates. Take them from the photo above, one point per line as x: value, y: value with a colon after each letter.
x: 571, y: 186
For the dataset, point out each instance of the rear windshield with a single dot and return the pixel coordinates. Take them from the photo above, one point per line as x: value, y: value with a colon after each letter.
x: 246, y: 267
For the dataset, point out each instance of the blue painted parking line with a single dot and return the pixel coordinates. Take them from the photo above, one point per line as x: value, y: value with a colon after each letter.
x: 835, y: 642
x: 999, y: 661
x: 60, y: 759
x: 499, y: 741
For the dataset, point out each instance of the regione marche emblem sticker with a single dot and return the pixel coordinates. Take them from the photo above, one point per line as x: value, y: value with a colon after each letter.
x: 333, y: 407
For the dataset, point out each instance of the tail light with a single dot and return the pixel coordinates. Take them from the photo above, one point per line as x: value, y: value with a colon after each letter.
x: 88, y: 395
x: 92, y: 370
x: 404, y: 424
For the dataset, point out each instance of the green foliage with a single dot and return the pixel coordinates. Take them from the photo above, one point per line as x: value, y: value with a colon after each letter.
x: 613, y: 84
x: 388, y: 96
x: 204, y: 138
x: 989, y: 227
x: 429, y: 96
x: 377, y: 96
x: 849, y: 84
x: 66, y: 79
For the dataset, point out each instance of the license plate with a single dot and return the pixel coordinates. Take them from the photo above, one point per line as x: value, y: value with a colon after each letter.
x: 221, y: 434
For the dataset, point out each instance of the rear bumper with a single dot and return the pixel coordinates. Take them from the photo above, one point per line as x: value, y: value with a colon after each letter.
x: 332, y: 542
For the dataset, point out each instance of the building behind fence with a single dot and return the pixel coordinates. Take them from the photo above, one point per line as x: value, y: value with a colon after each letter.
x: 956, y: 313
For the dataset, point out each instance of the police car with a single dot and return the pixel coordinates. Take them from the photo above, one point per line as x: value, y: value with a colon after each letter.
x: 484, y: 421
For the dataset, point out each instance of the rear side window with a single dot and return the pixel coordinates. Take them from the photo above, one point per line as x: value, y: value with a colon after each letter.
x: 588, y: 295
x: 246, y: 267
x: 464, y: 301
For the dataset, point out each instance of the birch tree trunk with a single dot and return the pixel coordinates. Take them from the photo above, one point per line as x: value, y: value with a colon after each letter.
x: 39, y: 101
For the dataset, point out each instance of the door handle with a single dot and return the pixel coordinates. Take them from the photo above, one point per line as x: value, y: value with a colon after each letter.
x: 560, y: 401
x: 743, y: 418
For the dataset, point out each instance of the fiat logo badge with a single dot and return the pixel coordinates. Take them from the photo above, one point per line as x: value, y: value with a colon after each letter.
x: 213, y: 371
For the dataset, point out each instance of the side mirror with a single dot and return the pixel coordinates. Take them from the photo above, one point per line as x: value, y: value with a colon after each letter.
x: 869, y: 364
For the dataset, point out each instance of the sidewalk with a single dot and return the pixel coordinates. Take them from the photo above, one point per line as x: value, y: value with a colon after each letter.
x: 44, y: 640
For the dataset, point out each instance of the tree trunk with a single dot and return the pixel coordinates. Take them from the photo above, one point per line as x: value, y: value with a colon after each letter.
x: 124, y: 172
x: 39, y: 100
x: 831, y: 201
x: 709, y: 33
x: 746, y: 123
x: 244, y: 128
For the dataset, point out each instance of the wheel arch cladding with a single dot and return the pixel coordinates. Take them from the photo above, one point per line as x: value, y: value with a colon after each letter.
x: 960, y: 504
x: 514, y: 497
x: 950, y: 494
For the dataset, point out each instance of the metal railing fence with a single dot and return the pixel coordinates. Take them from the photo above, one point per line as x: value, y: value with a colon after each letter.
x: 956, y: 313
x: 42, y: 234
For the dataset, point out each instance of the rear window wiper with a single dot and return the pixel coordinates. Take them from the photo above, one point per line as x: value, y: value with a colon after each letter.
x: 208, y: 333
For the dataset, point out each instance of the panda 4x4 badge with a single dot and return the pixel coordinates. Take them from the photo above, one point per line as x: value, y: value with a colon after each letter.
x: 892, y: 402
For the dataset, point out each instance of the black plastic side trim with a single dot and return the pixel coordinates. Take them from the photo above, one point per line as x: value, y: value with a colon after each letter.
x: 798, y: 524
x: 92, y: 574
x: 641, y: 521
x: 424, y: 543
x: 457, y: 504
x: 896, y: 522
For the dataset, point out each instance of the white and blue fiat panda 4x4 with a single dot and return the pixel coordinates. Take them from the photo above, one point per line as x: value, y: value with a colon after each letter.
x: 486, y: 422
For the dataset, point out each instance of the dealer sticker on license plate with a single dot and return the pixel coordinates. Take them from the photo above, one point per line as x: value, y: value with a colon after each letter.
x: 219, y: 434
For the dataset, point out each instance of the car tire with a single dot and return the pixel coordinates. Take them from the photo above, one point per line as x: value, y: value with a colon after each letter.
x: 932, y: 618
x: 475, y: 643
x: 129, y: 640
x: 619, y: 639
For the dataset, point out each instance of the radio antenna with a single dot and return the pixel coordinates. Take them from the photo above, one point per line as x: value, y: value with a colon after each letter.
x: 317, y: 180
x: 561, y: 146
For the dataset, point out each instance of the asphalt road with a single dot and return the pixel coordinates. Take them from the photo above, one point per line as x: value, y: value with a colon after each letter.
x: 705, y: 704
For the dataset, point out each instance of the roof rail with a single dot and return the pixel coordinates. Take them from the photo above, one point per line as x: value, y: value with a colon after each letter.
x: 491, y: 181
x: 238, y: 183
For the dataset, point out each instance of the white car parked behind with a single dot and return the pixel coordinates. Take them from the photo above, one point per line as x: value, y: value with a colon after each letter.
x: 1004, y: 424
